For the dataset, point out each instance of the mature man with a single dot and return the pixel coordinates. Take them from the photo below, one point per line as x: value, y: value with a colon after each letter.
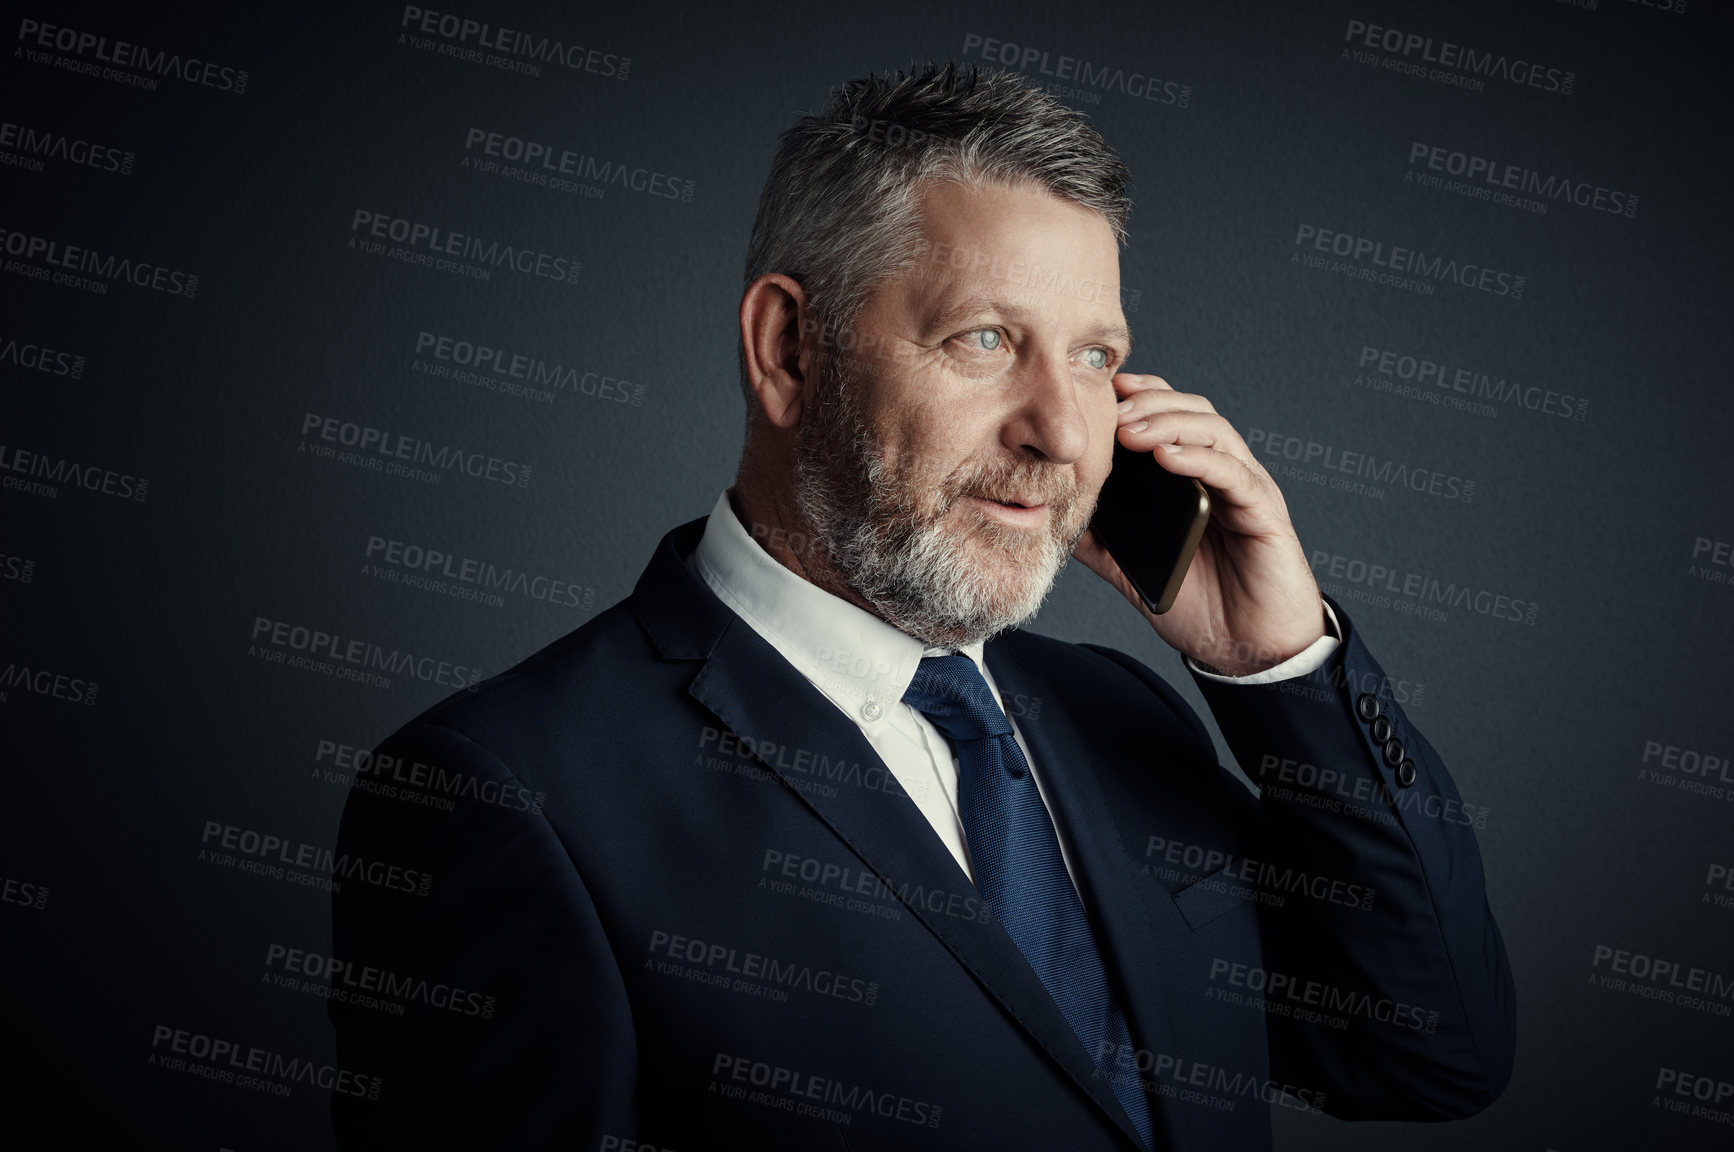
x: 806, y: 845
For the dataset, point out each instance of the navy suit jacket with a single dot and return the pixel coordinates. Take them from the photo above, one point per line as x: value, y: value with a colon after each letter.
x: 678, y: 902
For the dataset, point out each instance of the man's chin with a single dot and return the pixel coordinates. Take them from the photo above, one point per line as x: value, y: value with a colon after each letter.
x: 967, y: 575
x: 1002, y: 594
x: 1014, y: 580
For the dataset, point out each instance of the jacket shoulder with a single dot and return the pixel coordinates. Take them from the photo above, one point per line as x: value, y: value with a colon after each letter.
x: 560, y: 688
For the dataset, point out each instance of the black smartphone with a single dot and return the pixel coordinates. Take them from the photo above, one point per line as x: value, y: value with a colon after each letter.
x: 1150, y: 521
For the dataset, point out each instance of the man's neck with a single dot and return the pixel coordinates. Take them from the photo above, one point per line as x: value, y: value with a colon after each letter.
x: 774, y: 521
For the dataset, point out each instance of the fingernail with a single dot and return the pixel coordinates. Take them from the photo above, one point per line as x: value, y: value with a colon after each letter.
x: 1138, y: 427
x: 1124, y: 405
x: 1170, y: 448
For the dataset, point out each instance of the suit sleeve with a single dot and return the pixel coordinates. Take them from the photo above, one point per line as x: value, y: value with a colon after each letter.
x: 1394, y: 989
x: 491, y: 1008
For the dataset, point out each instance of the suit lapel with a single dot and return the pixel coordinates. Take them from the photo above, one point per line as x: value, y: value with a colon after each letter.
x: 750, y: 688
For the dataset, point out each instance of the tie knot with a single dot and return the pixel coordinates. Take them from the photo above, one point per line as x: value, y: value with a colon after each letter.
x: 950, y: 692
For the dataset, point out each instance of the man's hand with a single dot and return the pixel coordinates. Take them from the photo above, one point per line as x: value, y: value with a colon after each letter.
x: 1249, y: 601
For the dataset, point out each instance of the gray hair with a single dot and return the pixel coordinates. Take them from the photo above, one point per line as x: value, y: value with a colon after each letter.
x: 840, y: 210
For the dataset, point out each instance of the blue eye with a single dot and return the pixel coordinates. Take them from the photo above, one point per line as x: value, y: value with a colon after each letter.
x: 989, y: 338
x: 1091, y: 357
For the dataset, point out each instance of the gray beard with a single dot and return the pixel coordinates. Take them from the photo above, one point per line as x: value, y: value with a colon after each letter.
x: 871, y: 529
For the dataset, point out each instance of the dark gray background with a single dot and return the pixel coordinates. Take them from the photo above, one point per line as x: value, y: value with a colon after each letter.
x: 1545, y: 725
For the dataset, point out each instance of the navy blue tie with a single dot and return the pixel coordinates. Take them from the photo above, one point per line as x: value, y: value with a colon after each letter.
x: 1018, y: 865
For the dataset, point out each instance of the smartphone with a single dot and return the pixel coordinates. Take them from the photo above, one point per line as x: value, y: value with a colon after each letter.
x: 1150, y: 521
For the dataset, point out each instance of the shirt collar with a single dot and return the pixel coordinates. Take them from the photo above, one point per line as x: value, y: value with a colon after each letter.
x: 850, y: 654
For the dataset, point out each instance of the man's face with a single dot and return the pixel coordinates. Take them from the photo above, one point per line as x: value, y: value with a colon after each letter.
x: 949, y: 468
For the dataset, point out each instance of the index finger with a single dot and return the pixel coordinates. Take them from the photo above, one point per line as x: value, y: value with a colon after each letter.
x: 1126, y: 383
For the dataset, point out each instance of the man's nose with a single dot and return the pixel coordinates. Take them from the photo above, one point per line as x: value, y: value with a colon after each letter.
x: 1047, y: 415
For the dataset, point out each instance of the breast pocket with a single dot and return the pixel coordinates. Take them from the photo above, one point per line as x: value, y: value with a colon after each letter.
x: 1211, y: 896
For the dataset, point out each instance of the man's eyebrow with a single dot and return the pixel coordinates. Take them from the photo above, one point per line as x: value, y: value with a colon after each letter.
x: 970, y: 306
x: 978, y: 305
x: 1113, y: 332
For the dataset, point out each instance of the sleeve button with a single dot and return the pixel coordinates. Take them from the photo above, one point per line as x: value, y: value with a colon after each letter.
x: 1381, y: 730
x: 1405, y: 773
x: 1367, y: 706
x: 1393, y: 752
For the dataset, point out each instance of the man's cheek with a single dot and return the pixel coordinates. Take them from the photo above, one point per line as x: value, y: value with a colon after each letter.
x: 928, y: 466
x: 1093, y: 469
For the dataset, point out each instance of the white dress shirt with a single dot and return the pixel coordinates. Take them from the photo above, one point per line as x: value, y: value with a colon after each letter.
x: 863, y: 665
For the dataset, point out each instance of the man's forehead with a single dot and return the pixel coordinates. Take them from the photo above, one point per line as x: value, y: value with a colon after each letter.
x: 1016, y: 252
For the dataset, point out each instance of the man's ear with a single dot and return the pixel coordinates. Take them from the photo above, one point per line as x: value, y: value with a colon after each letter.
x: 774, y: 317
